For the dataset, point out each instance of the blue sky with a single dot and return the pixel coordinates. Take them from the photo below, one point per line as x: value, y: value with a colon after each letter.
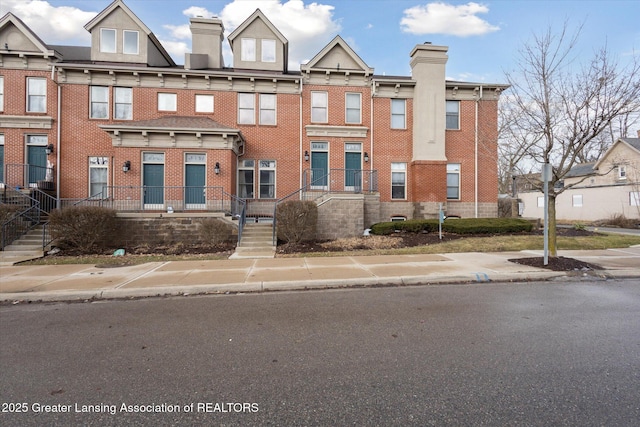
x: 483, y: 37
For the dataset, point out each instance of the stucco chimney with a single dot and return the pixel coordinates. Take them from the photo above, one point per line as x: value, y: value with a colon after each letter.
x: 428, y: 64
x: 207, y: 35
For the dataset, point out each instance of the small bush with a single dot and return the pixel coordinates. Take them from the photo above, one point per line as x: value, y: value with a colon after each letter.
x: 619, y: 220
x: 8, y: 211
x: 457, y: 226
x: 83, y: 228
x: 297, y: 221
x: 215, y: 231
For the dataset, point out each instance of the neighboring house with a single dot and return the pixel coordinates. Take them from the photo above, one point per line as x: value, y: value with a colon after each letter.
x: 120, y: 121
x: 604, y: 189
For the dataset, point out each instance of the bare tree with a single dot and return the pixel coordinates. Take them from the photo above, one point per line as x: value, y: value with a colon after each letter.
x: 566, y: 109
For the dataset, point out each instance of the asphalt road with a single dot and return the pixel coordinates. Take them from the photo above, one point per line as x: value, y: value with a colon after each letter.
x: 547, y: 354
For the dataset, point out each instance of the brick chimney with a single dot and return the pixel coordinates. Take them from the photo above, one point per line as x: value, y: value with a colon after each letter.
x: 207, y: 35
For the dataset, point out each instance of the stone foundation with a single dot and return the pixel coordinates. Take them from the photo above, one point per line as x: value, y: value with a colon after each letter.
x: 341, y: 216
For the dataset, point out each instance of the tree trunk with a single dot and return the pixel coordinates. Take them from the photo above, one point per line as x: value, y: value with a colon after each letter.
x: 551, y: 212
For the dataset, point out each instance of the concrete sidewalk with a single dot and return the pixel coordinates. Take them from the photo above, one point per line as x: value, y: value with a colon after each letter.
x: 81, y: 282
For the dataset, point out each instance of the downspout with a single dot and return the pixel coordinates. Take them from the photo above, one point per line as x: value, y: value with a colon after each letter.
x: 58, y: 132
x: 371, y: 155
x: 475, y: 155
x: 300, y: 157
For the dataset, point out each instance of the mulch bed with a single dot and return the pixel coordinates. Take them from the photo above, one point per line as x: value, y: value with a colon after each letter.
x: 557, y: 263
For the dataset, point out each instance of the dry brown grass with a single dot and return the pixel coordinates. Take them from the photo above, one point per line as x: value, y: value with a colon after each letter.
x: 363, y: 243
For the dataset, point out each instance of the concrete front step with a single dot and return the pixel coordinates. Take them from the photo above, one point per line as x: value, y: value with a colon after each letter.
x: 256, y: 242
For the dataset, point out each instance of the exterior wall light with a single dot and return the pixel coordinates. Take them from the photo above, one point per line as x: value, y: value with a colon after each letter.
x: 49, y: 149
x: 306, y: 156
x: 126, y: 166
x: 366, y: 157
x: 216, y: 168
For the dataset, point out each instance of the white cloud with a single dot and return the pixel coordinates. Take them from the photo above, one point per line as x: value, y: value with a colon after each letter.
x: 54, y: 25
x: 176, y: 49
x: 442, y: 18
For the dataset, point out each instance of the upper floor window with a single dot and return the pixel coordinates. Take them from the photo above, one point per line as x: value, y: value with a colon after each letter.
x: 453, y: 181
x: 130, y: 42
x: 398, y: 114
x: 622, y: 172
x: 319, y: 107
x: 204, y: 103
x: 246, y: 108
x: 167, y: 102
x: 267, y: 109
x: 123, y: 108
x: 99, y: 108
x: 353, y: 108
x: 36, y: 95
x: 107, y: 40
x: 453, y: 115
x: 248, y: 49
x: 1, y: 93
x: 268, y: 50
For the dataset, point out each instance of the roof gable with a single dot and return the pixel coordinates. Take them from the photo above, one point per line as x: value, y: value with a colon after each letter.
x: 257, y: 15
x: 16, y: 37
x: 337, y: 55
x: 632, y: 143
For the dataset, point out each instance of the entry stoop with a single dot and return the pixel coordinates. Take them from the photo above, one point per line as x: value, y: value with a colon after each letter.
x: 256, y: 242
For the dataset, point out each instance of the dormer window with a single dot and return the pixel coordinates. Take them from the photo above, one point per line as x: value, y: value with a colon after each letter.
x: 268, y: 50
x: 248, y: 50
x: 107, y: 40
x: 130, y: 42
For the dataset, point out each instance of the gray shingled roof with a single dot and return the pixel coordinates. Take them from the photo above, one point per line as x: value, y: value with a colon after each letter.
x: 581, y: 169
x: 634, y: 142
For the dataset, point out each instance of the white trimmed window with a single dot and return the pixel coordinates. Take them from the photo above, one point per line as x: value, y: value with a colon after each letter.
x: 353, y: 108
x: 267, y: 109
x: 398, y: 114
x: 246, y: 109
x: 622, y: 172
x: 268, y: 50
x: 123, y: 105
x: 36, y: 95
x: 453, y: 181
x: 107, y: 40
x: 267, y: 176
x: 99, y: 108
x: 246, y: 179
x: 453, y: 115
x: 167, y: 102
x: 130, y: 42
x: 398, y: 181
x: 576, y: 200
x: 319, y: 102
x: 204, y: 103
x: 541, y: 201
x: 248, y: 50
x: 1, y: 93
x: 98, y: 176
x: 634, y: 198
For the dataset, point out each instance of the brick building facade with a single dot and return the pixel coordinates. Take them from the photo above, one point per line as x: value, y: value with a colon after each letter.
x: 119, y: 120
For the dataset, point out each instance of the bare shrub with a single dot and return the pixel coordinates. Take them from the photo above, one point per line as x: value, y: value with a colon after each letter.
x: 215, y: 231
x: 297, y: 221
x: 619, y: 220
x: 86, y: 229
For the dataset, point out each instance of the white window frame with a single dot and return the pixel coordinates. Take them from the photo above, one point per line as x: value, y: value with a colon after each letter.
x: 33, y: 95
x: 399, y: 169
x: 117, y: 103
x: 450, y: 113
x: 248, y: 49
x: 268, y: 103
x: 127, y: 51
x: 634, y: 198
x: 267, y: 166
x: 1, y: 93
x: 540, y: 201
x: 103, y: 47
x: 247, y: 166
x: 246, y: 108
x: 204, y: 103
x: 454, y: 168
x: 93, y: 101
x: 319, y: 107
x: 351, y: 111
x: 622, y: 172
x: 577, y: 200
x: 167, y: 101
x: 99, y: 162
x: 398, y: 116
x: 268, y: 50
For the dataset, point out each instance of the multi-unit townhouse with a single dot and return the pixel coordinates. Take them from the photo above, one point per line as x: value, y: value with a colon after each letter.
x: 120, y: 121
